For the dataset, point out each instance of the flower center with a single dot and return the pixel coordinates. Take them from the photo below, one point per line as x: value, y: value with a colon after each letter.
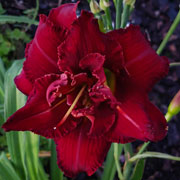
x: 110, y: 79
x: 72, y: 106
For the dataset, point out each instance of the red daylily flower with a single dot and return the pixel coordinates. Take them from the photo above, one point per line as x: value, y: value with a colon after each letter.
x: 87, y: 89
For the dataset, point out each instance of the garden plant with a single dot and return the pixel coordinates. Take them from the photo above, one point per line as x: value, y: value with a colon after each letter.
x: 76, y: 105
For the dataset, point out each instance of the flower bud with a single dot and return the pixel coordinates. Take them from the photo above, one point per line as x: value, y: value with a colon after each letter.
x: 129, y: 2
x: 94, y: 6
x: 174, y: 106
x: 104, y: 4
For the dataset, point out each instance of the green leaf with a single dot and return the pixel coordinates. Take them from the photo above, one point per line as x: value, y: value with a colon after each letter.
x: 15, y: 140
x: 117, y: 148
x: 5, y: 48
x: 150, y: 154
x: 34, y: 166
x: 32, y: 151
x: 128, y: 165
x: 138, y: 170
x: 17, y: 19
x: 42, y: 175
x: 23, y: 146
x: 56, y: 173
x: 31, y: 144
x: 1, y: 118
x: 110, y: 166
x: 2, y: 72
x: 6, y: 169
x: 2, y: 10
x: 17, y: 34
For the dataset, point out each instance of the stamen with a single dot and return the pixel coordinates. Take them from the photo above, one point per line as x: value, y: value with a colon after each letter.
x: 72, y: 106
x: 60, y: 102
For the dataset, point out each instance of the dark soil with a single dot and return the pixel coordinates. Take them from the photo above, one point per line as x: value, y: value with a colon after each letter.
x: 155, y: 18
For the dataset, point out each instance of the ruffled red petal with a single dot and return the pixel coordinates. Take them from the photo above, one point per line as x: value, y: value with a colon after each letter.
x: 84, y: 38
x: 102, y: 120
x: 138, y: 118
x: 38, y: 116
x: 93, y: 63
x: 23, y: 84
x: 101, y: 116
x: 64, y: 15
x: 101, y: 93
x: 41, y: 53
x: 142, y: 63
x: 77, y: 152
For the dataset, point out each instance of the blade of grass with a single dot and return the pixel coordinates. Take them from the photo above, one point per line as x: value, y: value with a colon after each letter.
x: 31, y: 143
x: 15, y: 140
x: 2, y: 72
x: 150, y: 154
x: 110, y: 166
x: 35, y: 14
x: 138, y: 170
x: 56, y: 173
x: 128, y: 165
x: 169, y: 33
x: 6, y: 169
x: 16, y: 19
x: 118, y: 148
x: 32, y: 159
x: 42, y: 174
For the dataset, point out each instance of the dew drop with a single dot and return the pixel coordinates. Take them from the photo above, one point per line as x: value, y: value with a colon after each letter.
x: 54, y: 128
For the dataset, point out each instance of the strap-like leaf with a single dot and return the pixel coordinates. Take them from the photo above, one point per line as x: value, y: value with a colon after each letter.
x: 6, y: 169
x: 150, y: 154
x: 16, y: 19
x: 56, y: 173
x: 15, y: 140
x: 138, y: 170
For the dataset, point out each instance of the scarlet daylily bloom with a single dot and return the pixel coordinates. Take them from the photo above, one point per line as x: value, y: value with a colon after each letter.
x: 87, y: 89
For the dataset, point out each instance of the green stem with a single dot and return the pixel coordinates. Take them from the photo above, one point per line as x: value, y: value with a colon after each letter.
x: 143, y: 147
x: 115, y: 3
x: 174, y: 64
x: 168, y: 116
x: 169, y: 33
x: 119, y: 8
x: 125, y: 15
x: 128, y: 165
x: 35, y: 14
x: 108, y: 18
x: 116, y: 158
x: 151, y: 154
x: 128, y: 149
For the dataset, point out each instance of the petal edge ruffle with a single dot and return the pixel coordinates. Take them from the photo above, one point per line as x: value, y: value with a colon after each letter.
x: 77, y: 152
